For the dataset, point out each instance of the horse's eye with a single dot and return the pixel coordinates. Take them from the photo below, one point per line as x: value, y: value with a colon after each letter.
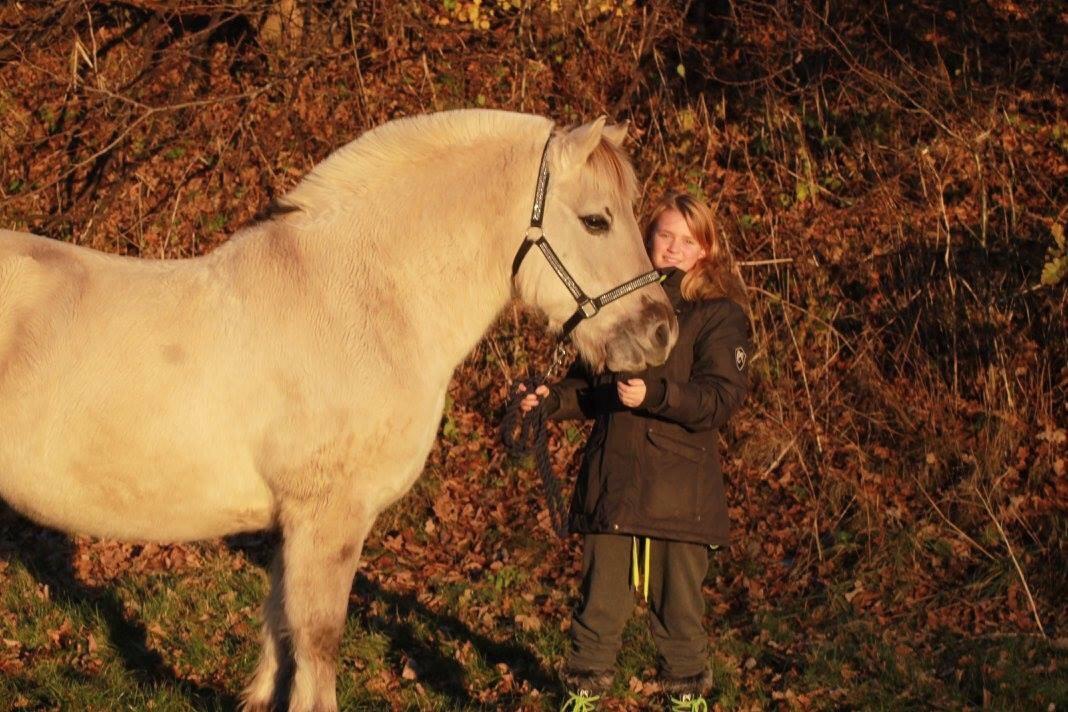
x: 595, y: 223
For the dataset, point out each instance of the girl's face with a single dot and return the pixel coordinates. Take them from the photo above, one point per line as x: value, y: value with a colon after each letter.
x: 673, y: 245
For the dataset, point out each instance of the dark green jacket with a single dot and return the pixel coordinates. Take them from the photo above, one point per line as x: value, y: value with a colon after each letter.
x: 654, y: 470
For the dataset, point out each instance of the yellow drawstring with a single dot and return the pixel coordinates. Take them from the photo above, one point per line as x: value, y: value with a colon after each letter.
x: 636, y: 578
x: 645, y: 582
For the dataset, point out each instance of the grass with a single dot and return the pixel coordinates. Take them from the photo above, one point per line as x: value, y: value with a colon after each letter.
x: 187, y: 640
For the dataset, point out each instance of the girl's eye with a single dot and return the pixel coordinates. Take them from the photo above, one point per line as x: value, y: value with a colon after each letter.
x: 595, y: 224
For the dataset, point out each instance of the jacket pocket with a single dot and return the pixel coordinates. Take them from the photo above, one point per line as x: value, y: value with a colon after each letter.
x: 673, y: 486
x: 675, y: 446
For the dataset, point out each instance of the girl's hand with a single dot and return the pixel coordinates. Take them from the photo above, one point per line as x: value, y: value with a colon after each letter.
x: 631, y: 392
x: 532, y: 400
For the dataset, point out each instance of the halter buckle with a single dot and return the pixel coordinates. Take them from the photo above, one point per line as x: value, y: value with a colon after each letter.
x: 534, y: 233
x: 588, y: 308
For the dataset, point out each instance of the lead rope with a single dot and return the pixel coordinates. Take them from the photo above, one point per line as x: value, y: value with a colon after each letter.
x: 526, y: 434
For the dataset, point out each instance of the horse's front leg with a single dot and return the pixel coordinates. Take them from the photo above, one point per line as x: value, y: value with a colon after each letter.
x: 321, y: 545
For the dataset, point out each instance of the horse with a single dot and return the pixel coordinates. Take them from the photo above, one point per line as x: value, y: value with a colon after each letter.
x: 294, y: 377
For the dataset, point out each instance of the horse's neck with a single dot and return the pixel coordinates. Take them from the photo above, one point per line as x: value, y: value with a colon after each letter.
x: 452, y: 246
x: 423, y: 259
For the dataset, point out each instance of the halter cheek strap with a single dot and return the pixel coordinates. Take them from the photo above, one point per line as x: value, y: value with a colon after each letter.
x: 535, y: 235
x: 537, y: 213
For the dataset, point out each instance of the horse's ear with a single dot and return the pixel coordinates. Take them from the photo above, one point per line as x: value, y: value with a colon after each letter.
x: 579, y: 143
x: 617, y: 133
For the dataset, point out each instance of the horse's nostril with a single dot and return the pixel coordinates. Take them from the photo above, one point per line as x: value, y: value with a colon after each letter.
x: 662, y: 335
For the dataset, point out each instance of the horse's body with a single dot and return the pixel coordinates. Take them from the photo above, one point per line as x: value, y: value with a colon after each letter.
x: 295, y: 376
x: 189, y: 389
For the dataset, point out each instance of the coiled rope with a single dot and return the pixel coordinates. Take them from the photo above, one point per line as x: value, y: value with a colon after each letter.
x: 525, y: 434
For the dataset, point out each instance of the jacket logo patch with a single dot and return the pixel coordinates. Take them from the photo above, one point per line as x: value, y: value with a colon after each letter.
x: 739, y: 357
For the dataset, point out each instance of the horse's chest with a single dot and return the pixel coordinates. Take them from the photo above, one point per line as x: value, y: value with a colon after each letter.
x: 402, y: 454
x: 377, y: 453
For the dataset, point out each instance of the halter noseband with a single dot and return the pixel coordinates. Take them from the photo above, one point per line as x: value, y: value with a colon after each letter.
x: 535, y: 235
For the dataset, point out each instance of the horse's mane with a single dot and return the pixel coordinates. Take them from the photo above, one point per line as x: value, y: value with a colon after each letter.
x: 399, y: 143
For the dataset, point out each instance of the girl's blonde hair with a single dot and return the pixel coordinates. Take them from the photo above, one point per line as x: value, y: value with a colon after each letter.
x: 714, y: 275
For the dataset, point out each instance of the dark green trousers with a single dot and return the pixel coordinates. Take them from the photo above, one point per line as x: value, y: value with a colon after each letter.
x: 676, y: 605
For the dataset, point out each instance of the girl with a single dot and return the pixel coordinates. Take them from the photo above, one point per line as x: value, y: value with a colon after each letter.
x: 649, y: 500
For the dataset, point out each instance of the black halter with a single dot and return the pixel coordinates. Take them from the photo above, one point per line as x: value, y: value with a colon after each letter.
x: 587, y: 307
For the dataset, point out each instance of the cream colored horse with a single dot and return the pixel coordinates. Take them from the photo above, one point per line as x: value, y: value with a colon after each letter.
x: 295, y: 376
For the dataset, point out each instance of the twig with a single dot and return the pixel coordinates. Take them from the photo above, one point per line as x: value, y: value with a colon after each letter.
x: 500, y: 359
x: 1015, y: 562
x: 812, y: 494
x: 782, y: 454
x: 430, y: 82
x: 949, y: 521
x: 759, y: 263
x: 170, y: 223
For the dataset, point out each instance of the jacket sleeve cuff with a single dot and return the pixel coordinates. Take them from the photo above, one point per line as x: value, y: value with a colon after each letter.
x: 551, y: 403
x: 655, y: 393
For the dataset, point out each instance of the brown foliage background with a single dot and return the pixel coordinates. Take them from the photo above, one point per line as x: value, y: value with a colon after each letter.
x: 893, y: 173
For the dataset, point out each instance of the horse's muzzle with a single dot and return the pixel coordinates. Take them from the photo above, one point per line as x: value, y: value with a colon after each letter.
x: 645, y: 340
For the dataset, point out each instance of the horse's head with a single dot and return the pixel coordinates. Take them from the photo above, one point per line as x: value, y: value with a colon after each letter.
x: 589, y: 223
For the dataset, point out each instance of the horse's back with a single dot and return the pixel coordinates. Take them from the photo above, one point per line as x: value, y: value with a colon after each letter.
x: 41, y: 249
x: 23, y: 277
x: 40, y: 281
x: 15, y: 242
x: 30, y: 265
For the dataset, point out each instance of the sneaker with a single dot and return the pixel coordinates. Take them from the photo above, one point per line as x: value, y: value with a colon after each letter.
x: 580, y: 701
x: 584, y: 689
x: 689, y: 702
